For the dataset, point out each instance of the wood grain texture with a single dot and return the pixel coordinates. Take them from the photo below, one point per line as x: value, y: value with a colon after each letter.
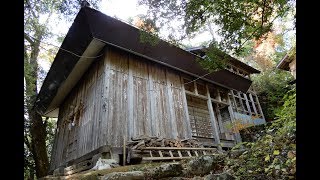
x: 122, y: 94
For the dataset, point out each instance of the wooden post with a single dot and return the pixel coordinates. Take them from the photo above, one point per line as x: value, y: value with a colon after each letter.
x: 195, y: 88
x: 240, y: 99
x: 213, y: 121
x: 259, y: 106
x: 247, y: 103
x: 236, y: 134
x: 218, y: 94
x: 185, y: 107
x: 253, y: 104
x: 124, y: 150
x: 222, y: 130
x: 234, y: 100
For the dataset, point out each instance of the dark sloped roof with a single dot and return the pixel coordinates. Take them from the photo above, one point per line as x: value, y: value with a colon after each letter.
x: 92, y: 25
x: 287, y: 59
x: 201, y: 50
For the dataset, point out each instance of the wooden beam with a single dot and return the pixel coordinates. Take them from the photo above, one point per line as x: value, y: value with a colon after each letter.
x: 176, y: 148
x: 212, y: 119
x: 219, y: 102
x: 163, y: 158
x: 197, y: 95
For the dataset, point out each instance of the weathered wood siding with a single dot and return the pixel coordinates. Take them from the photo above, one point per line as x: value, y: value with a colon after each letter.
x: 123, y: 96
x: 120, y: 95
x: 79, y: 121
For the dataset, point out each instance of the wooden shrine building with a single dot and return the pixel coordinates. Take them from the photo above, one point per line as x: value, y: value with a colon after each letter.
x: 113, y: 88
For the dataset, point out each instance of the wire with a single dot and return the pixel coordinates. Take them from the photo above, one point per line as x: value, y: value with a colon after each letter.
x: 88, y: 57
x: 198, y: 78
x: 187, y: 82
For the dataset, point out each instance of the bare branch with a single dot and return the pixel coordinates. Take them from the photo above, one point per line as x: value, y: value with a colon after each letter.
x: 26, y: 141
x: 264, y: 5
x: 30, y: 9
x: 27, y: 37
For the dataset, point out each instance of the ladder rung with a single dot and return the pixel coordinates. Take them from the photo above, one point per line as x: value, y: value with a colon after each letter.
x: 180, y: 155
x: 196, y: 153
x: 160, y: 153
x: 150, y: 153
x: 171, y: 154
x: 204, y: 152
x: 189, y: 153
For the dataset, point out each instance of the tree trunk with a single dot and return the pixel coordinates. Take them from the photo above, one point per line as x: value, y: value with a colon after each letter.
x: 38, y: 143
x: 38, y: 132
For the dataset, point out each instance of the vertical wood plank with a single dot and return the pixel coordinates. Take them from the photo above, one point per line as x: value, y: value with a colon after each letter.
x: 170, y: 106
x: 130, y: 126
x: 186, y: 111
x: 151, y: 101
x: 106, y: 100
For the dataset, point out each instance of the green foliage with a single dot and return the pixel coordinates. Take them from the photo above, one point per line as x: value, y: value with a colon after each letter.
x: 146, y: 37
x: 214, y: 59
x: 273, y: 155
x: 51, y: 126
x: 271, y: 86
x: 69, y: 8
x: 238, y: 20
x: 37, y: 18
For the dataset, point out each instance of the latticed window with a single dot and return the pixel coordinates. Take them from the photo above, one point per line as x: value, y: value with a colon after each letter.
x: 199, y: 117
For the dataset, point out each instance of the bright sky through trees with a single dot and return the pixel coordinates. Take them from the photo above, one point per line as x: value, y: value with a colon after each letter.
x: 124, y: 10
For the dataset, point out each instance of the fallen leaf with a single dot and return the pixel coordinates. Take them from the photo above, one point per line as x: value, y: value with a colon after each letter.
x: 267, y: 158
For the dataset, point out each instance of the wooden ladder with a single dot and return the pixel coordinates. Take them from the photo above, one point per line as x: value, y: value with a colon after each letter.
x: 174, y: 153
